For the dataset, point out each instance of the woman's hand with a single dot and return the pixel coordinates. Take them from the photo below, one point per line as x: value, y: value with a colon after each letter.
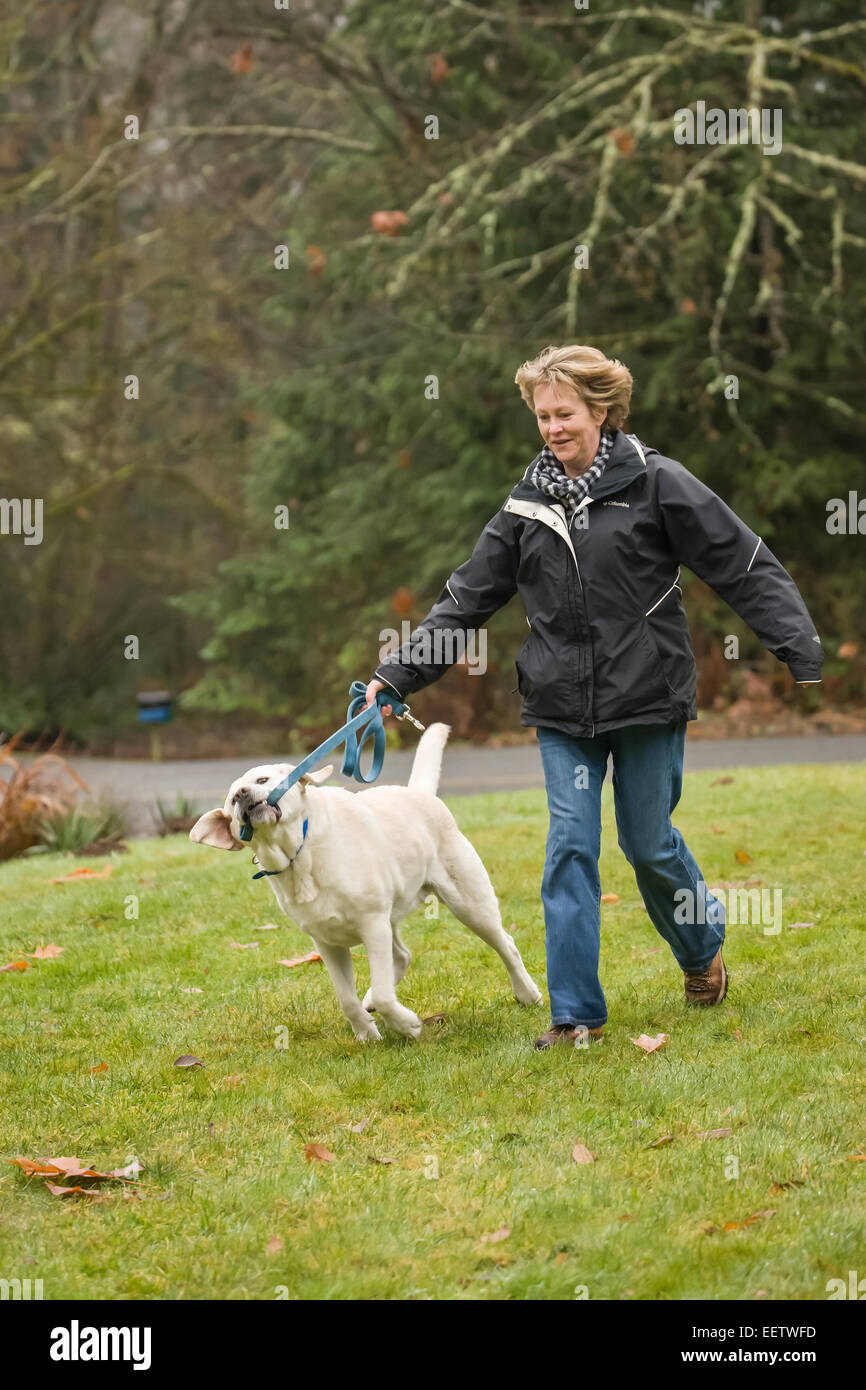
x: 370, y: 695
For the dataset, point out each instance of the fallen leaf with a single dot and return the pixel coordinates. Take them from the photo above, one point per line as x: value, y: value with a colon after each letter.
x: 848, y: 650
x: 721, y: 781
x: 360, y: 1126
x: 187, y: 1060
x: 16, y: 965
x: 857, y: 1158
x: 82, y: 873
x: 561, y: 1258
x: 648, y: 1044
x: 783, y: 1186
x: 72, y: 1191
x: 235, y: 1080
x: 274, y: 1245
x: 268, y: 926
x: 712, y: 1133
x: 581, y: 1154
x: 742, y: 857
x: 657, y: 1143
x: 300, y: 960
x: 610, y: 897
x: 493, y: 1239
x: 434, y: 1018
x: 101, y: 1066
x: 47, y: 952
x: 245, y: 946
x: 653, y: 952
x: 756, y: 1216
x: 738, y: 1035
x: 374, y: 1159
x: 39, y: 1168
x: 317, y: 1153
x: 130, y: 1172
x: 800, y: 926
x: 717, y: 831
x: 71, y: 1168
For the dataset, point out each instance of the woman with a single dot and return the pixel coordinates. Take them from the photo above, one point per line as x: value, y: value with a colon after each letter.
x: 593, y: 537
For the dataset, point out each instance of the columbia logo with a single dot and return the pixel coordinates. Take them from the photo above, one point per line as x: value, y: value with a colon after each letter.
x: 616, y: 504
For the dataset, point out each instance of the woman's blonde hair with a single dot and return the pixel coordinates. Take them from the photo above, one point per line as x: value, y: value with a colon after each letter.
x: 602, y: 382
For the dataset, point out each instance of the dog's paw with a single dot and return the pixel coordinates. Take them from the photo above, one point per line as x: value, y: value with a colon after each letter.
x: 368, y: 1034
x: 529, y: 996
x: 367, y: 1001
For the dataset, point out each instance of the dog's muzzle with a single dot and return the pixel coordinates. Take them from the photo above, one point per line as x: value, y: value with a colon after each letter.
x: 260, y: 813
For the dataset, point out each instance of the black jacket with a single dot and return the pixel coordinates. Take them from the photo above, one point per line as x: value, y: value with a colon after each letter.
x: 609, y: 643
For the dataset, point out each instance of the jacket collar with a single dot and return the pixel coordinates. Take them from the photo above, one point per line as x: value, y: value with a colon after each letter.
x: 624, y: 465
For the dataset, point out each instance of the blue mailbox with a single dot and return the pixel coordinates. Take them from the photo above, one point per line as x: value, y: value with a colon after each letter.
x: 154, y: 706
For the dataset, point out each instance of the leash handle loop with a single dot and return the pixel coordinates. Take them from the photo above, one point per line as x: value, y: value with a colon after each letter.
x: 361, y: 720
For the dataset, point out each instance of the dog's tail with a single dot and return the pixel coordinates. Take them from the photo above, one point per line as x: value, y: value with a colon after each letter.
x: 427, y: 766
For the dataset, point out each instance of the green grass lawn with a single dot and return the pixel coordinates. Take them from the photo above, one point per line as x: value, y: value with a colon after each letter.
x: 478, y: 1126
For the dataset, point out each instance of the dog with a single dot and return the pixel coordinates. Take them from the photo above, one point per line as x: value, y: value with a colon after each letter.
x: 366, y: 861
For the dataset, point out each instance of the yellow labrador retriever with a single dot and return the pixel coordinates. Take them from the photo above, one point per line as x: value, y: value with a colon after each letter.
x: 360, y: 865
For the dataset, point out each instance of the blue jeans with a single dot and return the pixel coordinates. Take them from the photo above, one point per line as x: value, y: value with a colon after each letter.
x: 647, y: 782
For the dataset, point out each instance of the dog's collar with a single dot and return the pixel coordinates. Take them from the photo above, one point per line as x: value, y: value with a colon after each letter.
x: 265, y: 873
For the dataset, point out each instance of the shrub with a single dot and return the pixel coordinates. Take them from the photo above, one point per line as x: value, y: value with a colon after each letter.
x: 29, y: 793
x: 97, y: 828
x: 173, y: 821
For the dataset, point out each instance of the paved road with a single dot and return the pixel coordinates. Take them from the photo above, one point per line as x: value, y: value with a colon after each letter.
x: 465, y: 769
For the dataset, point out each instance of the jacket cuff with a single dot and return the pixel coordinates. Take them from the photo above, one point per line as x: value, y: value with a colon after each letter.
x: 802, y: 671
x: 378, y: 676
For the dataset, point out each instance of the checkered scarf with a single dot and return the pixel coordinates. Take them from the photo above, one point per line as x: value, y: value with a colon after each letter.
x: 550, y: 476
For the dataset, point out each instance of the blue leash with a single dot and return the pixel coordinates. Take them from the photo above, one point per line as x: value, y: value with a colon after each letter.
x: 357, y: 716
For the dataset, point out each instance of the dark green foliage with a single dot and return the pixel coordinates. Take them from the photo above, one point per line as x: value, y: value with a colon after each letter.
x: 307, y: 389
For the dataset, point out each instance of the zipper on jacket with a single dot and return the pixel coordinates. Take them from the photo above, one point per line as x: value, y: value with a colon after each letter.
x: 557, y: 507
x: 584, y: 503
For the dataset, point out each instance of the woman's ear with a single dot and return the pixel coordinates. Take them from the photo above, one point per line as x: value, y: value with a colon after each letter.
x: 214, y: 828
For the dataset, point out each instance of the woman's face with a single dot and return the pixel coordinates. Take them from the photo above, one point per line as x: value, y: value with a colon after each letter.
x: 568, y: 426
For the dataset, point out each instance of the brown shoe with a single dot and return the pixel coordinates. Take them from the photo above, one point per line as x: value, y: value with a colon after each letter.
x: 710, y: 986
x: 563, y: 1032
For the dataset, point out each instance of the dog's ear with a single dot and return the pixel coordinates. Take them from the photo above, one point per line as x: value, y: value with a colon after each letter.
x: 321, y: 775
x: 214, y: 828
